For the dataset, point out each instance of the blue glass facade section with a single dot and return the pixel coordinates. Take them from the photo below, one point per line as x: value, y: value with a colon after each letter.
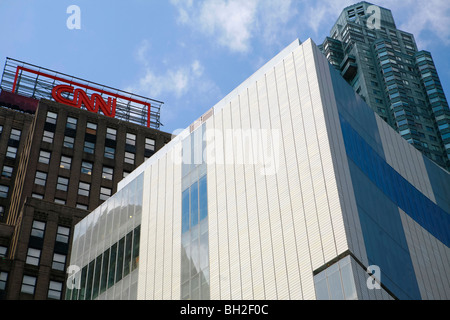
x: 384, y: 237
x: 194, y: 220
x: 425, y: 212
x: 194, y: 204
x: 203, y: 198
x: 185, y: 211
x: 379, y: 191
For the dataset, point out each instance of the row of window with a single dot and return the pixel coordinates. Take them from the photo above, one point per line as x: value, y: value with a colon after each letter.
x: 63, y: 185
x: 89, y: 147
x: 29, y: 285
x: 91, y: 128
x: 66, y: 163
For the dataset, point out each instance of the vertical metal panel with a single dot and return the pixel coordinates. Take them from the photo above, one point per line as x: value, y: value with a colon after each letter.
x: 159, y: 229
x: 176, y: 229
x: 143, y: 257
x: 168, y: 234
x: 231, y: 209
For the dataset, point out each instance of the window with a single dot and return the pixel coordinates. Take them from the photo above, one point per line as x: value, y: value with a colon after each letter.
x: 3, y: 251
x: 69, y: 142
x: 62, y: 184
x: 149, y: 144
x: 86, y: 167
x: 44, y: 157
x: 40, y: 178
x: 11, y: 152
x: 65, y: 162
x: 105, y: 193
x: 7, y: 171
x: 38, y: 229
x: 59, y: 261
x: 33, y: 256
x: 4, y: 191
x: 81, y: 206
x: 62, y: 234
x: 125, y: 174
x: 107, y: 173
x: 2, y: 211
x: 60, y: 201
x: 91, y: 128
x: 71, y: 123
x: 336, y: 282
x: 89, y: 147
x: 55, y: 290
x: 51, y: 117
x: 131, y: 139
x: 111, y: 133
x: 48, y: 136
x: 129, y: 157
x: 37, y: 196
x: 110, y: 152
x: 194, y: 213
x: 15, y: 134
x: 83, y: 189
x: 28, y: 284
x: 3, y: 280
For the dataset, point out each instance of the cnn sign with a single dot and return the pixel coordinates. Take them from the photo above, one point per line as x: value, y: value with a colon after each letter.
x: 94, y: 103
x: 75, y: 93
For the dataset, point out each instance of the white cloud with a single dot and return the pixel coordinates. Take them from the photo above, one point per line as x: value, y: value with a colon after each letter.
x: 233, y: 24
x: 176, y: 80
x: 433, y: 17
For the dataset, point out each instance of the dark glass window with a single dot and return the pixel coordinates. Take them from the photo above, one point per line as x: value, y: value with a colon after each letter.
x: 44, y: 157
x: 7, y: 171
x: 110, y: 152
x: 71, y: 123
x: 28, y: 284
x: 69, y: 142
x: 4, y: 191
x: 89, y: 147
x: 51, y: 117
x: 11, y: 152
x: 55, y: 290
x: 84, y: 188
x: 107, y: 173
x: 86, y: 167
x: 62, y: 184
x: 40, y: 178
x: 38, y: 229
x: 65, y: 163
x: 48, y: 136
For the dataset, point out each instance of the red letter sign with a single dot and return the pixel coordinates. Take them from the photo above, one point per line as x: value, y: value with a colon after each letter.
x: 92, y: 104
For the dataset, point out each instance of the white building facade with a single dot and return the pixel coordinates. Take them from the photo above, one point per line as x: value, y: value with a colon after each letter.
x: 289, y: 188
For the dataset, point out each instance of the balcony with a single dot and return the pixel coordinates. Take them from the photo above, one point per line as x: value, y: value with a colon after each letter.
x: 349, y: 68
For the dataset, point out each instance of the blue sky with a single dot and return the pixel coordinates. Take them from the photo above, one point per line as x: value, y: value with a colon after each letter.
x: 189, y: 53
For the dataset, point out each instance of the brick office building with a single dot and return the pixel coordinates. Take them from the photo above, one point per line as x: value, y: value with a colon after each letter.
x: 58, y: 163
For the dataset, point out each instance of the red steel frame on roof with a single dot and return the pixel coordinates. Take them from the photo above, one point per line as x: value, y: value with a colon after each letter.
x: 71, y: 82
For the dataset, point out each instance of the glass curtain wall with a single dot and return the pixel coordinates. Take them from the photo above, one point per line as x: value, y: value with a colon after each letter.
x: 106, y: 248
x: 195, y: 246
